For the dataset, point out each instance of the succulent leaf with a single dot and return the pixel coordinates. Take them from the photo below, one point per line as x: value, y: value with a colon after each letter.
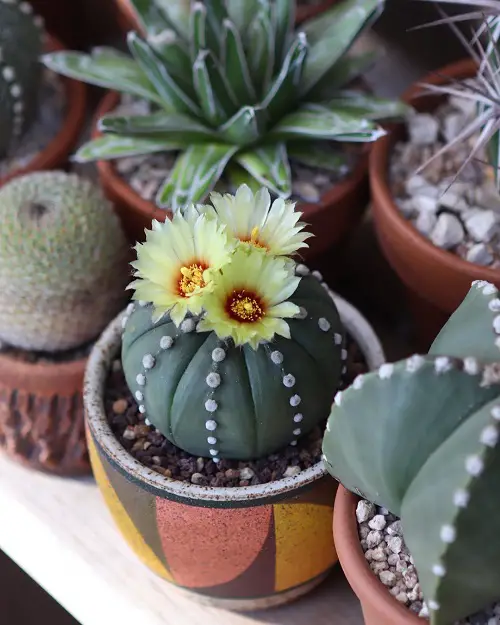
x: 366, y: 106
x: 245, y: 126
x: 198, y: 30
x: 112, y: 146
x: 344, y: 72
x: 480, y: 314
x: 269, y: 165
x: 235, y: 64
x: 195, y: 174
x: 177, y: 12
x: 283, y: 19
x: 318, y: 156
x: 261, y: 50
x: 149, y: 15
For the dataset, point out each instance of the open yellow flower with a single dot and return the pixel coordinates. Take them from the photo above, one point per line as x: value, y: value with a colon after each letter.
x: 175, y: 266
x: 248, y: 299
x: 255, y: 221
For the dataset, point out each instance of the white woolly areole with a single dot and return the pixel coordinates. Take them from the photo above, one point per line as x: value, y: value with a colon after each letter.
x: 147, y: 422
x: 142, y: 302
x: 461, y: 498
x: 495, y: 413
x: 324, y: 324
x: 343, y: 354
x: 213, y: 452
x: 213, y: 380
x: 298, y: 417
x: 218, y: 354
x: 26, y: 8
x: 142, y: 409
x: 16, y: 91
x: 471, y: 366
x: 433, y: 605
x: 497, y: 343
x: 293, y: 443
x: 211, y: 405
x: 277, y: 357
x: 139, y: 395
x: 489, y: 289
x: 166, y: 342
x: 317, y: 275
x: 211, y: 425
x: 211, y: 440
x: 338, y: 398
x: 474, y: 465
x: 8, y: 73
x: 18, y: 107
x: 443, y: 364
x: 448, y: 534
x: 386, y: 371
x: 148, y: 361
x: 302, y: 314
x: 494, y: 305
x: 496, y: 324
x: 302, y: 270
x: 414, y: 363
x: 297, y: 432
x: 140, y: 378
x: 188, y: 325
x: 295, y: 400
x: 439, y: 570
x: 337, y: 338
x: 289, y: 380
x: 479, y: 284
x: 130, y: 309
x: 358, y: 382
x: 489, y: 436
x: 124, y: 322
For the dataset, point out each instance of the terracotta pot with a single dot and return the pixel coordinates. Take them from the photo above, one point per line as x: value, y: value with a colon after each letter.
x: 306, y: 12
x: 41, y: 415
x: 56, y: 153
x: 331, y: 220
x: 436, y: 277
x: 378, y: 605
x: 242, y: 548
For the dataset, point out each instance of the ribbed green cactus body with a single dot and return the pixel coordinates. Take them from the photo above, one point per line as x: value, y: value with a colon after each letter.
x: 420, y: 437
x: 213, y: 399
x: 63, y: 262
x: 21, y: 45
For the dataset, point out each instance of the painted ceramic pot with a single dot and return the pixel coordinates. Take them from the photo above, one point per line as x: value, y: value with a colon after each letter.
x: 241, y: 548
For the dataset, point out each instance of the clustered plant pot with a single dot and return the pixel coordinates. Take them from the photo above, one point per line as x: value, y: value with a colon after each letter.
x: 41, y: 415
x: 437, y: 280
x: 306, y: 12
x: 56, y: 154
x: 331, y: 220
x: 378, y: 605
x: 242, y: 548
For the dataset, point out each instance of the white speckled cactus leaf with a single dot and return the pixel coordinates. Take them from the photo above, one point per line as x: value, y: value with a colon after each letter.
x: 211, y: 398
x: 479, y: 315
x: 383, y: 429
x: 458, y: 551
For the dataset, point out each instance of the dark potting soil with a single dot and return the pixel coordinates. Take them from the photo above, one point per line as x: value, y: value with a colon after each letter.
x: 35, y: 357
x: 153, y: 450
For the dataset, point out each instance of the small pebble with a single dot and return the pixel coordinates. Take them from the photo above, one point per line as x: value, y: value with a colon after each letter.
x: 374, y: 538
x: 378, y: 522
x: 119, y: 406
x: 365, y: 510
x: 447, y: 232
x: 387, y: 578
x: 423, y: 129
x: 291, y: 472
x: 247, y: 473
x: 479, y: 254
x: 198, y: 479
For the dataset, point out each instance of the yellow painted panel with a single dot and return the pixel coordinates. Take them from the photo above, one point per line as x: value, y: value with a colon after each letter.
x: 304, y: 543
x: 122, y: 519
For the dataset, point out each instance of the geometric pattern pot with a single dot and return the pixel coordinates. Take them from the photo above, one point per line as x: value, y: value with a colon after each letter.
x: 242, y: 548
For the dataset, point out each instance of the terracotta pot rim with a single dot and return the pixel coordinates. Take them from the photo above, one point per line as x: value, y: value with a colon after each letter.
x: 40, y: 369
x: 60, y: 145
x: 95, y: 376
x: 126, y: 194
x: 368, y: 588
x: 385, y: 204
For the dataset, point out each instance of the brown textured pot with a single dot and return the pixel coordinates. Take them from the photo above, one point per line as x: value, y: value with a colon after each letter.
x: 41, y: 415
x: 306, y: 12
x: 378, y: 605
x: 439, y: 280
x: 242, y: 548
x: 56, y: 154
x: 331, y: 220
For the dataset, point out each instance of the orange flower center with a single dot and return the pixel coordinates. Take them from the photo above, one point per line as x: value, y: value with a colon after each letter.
x: 253, y: 239
x: 191, y: 279
x: 245, y: 306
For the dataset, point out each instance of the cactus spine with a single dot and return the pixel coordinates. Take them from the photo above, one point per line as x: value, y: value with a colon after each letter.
x: 21, y: 44
x: 420, y: 437
x: 63, y: 262
x: 211, y: 398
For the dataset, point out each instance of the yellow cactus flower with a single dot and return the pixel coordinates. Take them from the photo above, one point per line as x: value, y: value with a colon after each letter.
x: 255, y: 221
x: 248, y: 299
x: 176, y: 264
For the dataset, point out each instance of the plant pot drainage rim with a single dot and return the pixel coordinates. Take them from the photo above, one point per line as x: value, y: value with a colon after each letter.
x: 98, y: 366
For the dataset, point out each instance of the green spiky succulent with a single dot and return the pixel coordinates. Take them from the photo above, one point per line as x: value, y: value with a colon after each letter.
x: 63, y: 262
x: 210, y: 397
x: 419, y: 437
x: 20, y: 70
x: 234, y: 91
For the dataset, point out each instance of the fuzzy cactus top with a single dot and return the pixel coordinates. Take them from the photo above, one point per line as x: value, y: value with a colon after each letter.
x: 21, y: 44
x: 234, y: 350
x: 420, y: 438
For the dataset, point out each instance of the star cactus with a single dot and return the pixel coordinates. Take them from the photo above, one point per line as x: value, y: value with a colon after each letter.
x: 234, y: 91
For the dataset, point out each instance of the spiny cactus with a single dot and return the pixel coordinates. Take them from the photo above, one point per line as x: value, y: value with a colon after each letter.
x: 420, y: 438
x: 235, y: 91
x: 209, y: 397
x: 21, y: 45
x: 63, y: 262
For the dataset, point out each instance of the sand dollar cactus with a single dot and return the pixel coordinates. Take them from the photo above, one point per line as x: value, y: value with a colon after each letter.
x: 63, y: 262
x: 234, y: 351
x: 21, y: 44
x: 419, y: 437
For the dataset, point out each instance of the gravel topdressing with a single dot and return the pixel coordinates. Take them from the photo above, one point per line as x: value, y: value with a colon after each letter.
x: 153, y: 450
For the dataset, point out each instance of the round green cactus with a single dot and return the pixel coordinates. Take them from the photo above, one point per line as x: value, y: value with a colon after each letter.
x: 211, y: 398
x: 21, y: 44
x: 63, y: 262
x: 420, y: 438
